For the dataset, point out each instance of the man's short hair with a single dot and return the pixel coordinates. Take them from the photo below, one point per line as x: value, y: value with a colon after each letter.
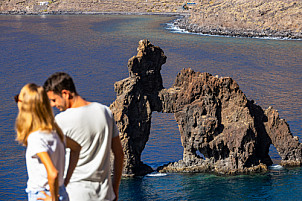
x: 58, y: 82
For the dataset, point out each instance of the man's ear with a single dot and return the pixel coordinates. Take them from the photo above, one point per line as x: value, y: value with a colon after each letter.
x: 66, y: 94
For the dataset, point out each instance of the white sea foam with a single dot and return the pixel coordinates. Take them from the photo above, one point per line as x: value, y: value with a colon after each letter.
x: 175, y: 29
x: 275, y: 167
x: 157, y: 174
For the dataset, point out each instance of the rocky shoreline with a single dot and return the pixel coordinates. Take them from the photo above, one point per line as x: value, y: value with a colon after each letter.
x: 246, y: 18
x: 280, y: 19
x: 88, y: 13
x: 184, y: 23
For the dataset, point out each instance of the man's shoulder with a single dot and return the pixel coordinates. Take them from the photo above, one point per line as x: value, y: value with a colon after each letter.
x: 65, y: 117
x: 61, y: 115
x: 99, y: 105
x: 100, y: 108
x: 92, y: 107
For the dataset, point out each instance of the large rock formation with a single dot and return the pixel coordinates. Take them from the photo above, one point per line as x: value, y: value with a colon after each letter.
x: 221, y: 130
x: 137, y: 97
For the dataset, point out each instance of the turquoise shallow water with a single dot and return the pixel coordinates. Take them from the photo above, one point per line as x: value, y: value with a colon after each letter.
x: 95, y: 51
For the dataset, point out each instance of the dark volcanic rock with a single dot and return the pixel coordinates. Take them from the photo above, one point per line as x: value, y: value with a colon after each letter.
x: 288, y: 146
x: 221, y: 130
x: 217, y: 129
x: 137, y: 97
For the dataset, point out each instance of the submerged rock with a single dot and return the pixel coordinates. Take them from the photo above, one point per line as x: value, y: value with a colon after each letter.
x: 221, y: 130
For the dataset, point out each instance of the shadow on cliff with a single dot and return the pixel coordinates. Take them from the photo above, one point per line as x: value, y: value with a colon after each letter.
x: 221, y: 130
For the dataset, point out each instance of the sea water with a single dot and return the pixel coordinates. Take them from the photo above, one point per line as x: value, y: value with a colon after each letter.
x: 95, y: 51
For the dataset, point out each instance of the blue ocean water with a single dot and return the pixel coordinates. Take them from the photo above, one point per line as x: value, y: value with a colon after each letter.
x: 95, y: 50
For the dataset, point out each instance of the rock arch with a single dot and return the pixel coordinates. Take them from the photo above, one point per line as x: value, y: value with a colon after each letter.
x: 215, y: 120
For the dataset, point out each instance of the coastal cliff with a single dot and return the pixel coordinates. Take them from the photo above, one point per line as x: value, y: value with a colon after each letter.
x: 221, y: 130
x: 243, y: 18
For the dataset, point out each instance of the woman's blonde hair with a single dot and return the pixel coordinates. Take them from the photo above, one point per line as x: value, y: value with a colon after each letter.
x: 35, y: 113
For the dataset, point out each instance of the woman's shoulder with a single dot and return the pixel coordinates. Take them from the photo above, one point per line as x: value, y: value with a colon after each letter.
x: 41, y: 134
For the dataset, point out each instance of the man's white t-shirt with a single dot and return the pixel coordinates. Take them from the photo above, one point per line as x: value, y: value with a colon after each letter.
x: 93, y: 127
x: 43, y: 141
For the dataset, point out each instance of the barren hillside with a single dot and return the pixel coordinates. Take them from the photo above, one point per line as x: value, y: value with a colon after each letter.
x: 256, y: 15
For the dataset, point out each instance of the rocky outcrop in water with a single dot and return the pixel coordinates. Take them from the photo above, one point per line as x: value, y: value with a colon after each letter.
x: 221, y: 130
x: 137, y: 97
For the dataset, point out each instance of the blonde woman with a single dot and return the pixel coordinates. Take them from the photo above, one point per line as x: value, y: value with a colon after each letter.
x: 44, y: 141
